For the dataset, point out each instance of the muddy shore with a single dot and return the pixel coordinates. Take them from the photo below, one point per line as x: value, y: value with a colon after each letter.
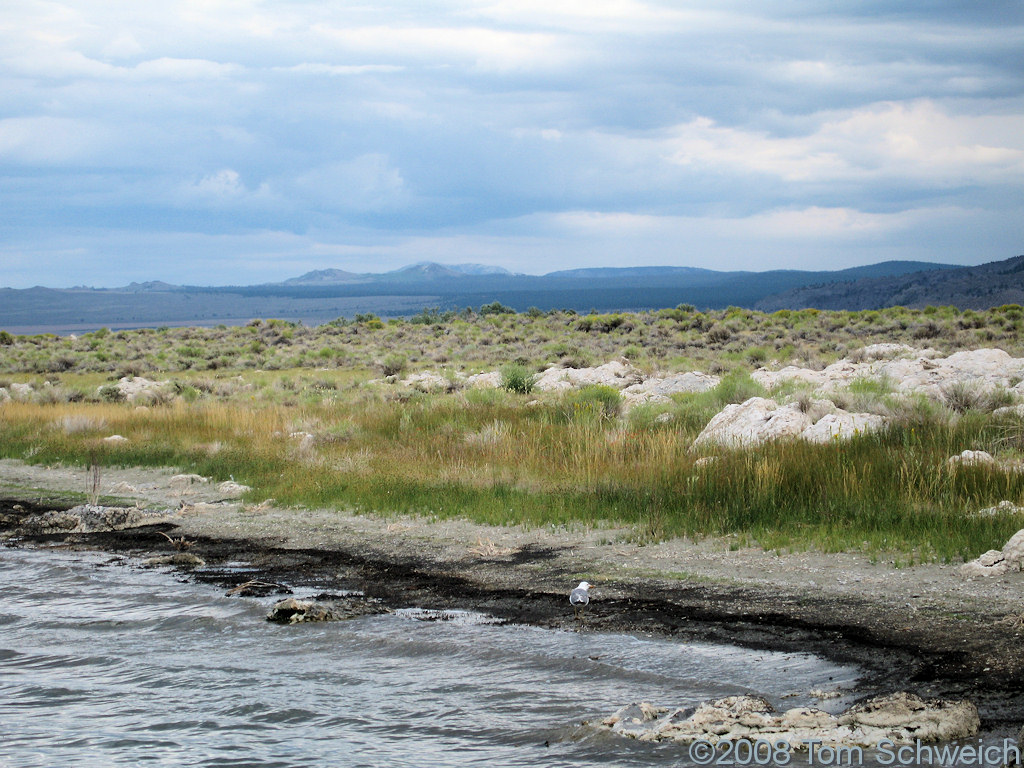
x: 921, y: 628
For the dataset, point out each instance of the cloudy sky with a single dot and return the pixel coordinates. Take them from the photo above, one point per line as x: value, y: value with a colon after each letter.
x: 245, y: 141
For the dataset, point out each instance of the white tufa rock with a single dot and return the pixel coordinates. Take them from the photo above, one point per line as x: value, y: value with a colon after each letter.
x: 887, y: 351
x: 842, y: 425
x: 112, y: 439
x: 658, y: 389
x: 996, y: 562
x: 428, y: 381
x: 1010, y: 410
x: 756, y: 421
x: 184, y: 481
x: 232, y: 490
x: 902, y: 718
x: 614, y: 374
x: 971, y: 459
x: 135, y: 387
x: 982, y: 369
x: 487, y: 380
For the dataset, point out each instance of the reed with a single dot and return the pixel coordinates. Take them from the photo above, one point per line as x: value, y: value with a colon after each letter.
x: 494, y: 459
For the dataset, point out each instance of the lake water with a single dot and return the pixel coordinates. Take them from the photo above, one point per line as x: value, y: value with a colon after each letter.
x: 106, y: 664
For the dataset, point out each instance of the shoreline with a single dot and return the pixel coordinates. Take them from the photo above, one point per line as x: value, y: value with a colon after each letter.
x: 922, y: 628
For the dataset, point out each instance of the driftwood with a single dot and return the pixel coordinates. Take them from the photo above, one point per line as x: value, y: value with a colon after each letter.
x: 180, y: 544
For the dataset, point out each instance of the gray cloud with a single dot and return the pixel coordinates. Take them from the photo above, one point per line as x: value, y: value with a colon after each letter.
x: 279, y: 137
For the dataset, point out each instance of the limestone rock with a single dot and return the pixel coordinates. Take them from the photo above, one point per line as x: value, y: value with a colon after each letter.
x: 114, y: 439
x: 134, y: 388
x: 887, y: 351
x: 89, y: 518
x: 232, y: 490
x: 904, y: 718
x: 996, y: 562
x: 756, y: 421
x: 842, y: 425
x: 1004, y: 507
x: 184, y: 481
x: 901, y: 717
x: 487, y: 380
x: 324, y: 608
x: 428, y: 381
x: 982, y: 369
x: 971, y: 459
x: 660, y: 388
x: 179, y: 559
x: 614, y: 374
x: 123, y: 487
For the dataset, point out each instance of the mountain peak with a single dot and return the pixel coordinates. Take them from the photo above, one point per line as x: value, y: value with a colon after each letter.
x: 324, y: 276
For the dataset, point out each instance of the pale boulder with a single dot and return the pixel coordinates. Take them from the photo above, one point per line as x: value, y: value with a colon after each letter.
x: 1010, y: 410
x: 486, y: 380
x: 971, y: 459
x: 660, y: 388
x: 887, y: 351
x: 996, y: 562
x: 614, y: 374
x: 186, y: 481
x: 232, y: 490
x: 428, y: 381
x: 842, y: 425
x: 135, y: 387
x: 753, y: 422
x: 903, y: 718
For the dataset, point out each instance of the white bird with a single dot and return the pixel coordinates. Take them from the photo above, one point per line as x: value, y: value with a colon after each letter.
x: 579, y: 598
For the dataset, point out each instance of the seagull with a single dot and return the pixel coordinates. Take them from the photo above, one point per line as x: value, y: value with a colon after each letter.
x: 579, y: 598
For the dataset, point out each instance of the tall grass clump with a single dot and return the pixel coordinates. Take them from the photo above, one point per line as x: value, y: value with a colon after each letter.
x: 485, y: 455
x: 695, y: 410
x: 593, y: 400
x: 516, y: 377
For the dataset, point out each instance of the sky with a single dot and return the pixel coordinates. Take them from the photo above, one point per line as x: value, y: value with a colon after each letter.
x: 213, y: 142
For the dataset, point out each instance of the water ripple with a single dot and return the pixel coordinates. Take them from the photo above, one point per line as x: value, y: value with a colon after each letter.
x: 131, y: 667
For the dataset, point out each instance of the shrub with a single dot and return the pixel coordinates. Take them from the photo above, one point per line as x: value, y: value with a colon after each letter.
x: 719, y: 334
x: 962, y: 397
x: 392, y: 365
x: 496, y: 308
x: 517, y: 378
x: 111, y: 394
x: 598, y: 399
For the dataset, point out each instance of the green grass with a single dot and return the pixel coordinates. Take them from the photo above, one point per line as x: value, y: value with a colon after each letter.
x: 488, y: 457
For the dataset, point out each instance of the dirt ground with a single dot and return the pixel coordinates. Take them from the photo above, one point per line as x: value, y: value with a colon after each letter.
x: 922, y: 628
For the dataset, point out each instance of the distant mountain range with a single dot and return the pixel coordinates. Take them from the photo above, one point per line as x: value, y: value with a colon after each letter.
x: 325, y: 294
x: 425, y: 270
x: 981, y: 287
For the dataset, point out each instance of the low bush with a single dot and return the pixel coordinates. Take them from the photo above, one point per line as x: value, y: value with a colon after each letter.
x: 516, y: 377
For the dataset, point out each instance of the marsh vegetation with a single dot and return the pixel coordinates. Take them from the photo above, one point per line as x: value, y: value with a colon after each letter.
x: 307, y: 416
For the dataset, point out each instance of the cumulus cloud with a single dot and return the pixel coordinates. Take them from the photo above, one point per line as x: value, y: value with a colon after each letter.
x: 913, y: 141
